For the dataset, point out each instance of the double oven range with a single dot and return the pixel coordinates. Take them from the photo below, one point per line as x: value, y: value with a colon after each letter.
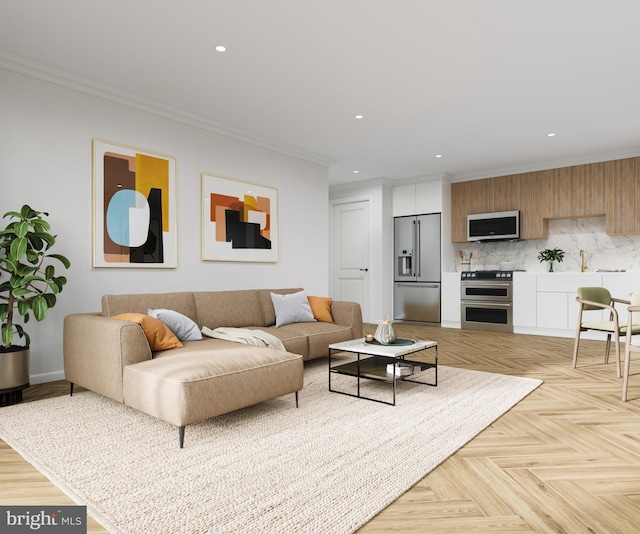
x: 487, y: 300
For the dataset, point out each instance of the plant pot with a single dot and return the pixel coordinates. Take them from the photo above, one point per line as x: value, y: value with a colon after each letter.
x: 14, y: 376
x: 550, y: 266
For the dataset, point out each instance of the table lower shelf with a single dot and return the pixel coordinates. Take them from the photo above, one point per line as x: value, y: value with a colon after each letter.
x: 375, y: 368
x: 370, y: 367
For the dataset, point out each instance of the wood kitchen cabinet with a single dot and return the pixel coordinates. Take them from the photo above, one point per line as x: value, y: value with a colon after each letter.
x: 587, y: 183
x: 620, y: 197
x: 467, y: 198
x: 504, y: 193
x: 610, y: 189
x: 536, y: 204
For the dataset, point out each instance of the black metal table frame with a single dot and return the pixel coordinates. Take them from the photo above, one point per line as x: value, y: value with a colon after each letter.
x: 390, y: 359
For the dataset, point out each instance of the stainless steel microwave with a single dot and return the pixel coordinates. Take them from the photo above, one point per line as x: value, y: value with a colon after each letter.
x: 493, y: 226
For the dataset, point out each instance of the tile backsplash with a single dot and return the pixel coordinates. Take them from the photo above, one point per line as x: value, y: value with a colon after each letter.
x: 571, y: 235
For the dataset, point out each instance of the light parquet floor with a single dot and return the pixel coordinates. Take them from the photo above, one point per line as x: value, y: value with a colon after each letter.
x: 565, y: 459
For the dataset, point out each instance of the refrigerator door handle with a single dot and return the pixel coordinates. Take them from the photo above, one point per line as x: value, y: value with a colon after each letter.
x: 414, y: 285
x: 416, y: 243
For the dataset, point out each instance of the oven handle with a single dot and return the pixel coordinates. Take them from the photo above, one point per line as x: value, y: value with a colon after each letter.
x: 484, y: 304
x: 487, y: 284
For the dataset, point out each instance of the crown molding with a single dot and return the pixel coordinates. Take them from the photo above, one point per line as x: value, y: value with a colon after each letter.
x: 47, y: 73
x: 506, y: 171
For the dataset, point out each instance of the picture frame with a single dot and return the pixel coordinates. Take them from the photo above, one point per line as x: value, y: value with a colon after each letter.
x: 134, y: 207
x: 239, y: 220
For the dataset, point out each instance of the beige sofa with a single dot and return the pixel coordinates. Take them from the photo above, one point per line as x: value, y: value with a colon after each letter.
x: 204, y: 378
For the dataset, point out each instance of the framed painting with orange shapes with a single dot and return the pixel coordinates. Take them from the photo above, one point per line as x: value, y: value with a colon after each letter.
x: 239, y: 220
x: 134, y: 207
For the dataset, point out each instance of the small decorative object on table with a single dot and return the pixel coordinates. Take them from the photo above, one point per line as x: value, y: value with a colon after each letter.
x: 551, y: 255
x: 385, y: 333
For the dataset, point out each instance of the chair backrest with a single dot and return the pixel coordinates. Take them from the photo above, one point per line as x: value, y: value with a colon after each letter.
x: 635, y: 301
x: 594, y: 294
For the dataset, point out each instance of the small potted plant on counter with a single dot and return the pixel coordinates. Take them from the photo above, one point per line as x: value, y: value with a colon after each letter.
x: 28, y: 286
x: 551, y: 255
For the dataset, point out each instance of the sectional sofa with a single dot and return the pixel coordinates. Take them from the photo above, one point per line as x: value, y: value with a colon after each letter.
x: 121, y: 352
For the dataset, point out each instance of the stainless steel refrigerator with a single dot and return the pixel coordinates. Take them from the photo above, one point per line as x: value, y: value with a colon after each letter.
x: 417, y: 268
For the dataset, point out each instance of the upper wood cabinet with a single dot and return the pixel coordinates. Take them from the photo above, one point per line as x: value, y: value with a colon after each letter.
x: 622, y: 189
x: 536, y: 203
x: 610, y: 189
x: 587, y: 182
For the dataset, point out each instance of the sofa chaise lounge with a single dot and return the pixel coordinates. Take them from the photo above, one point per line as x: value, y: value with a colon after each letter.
x: 200, y: 379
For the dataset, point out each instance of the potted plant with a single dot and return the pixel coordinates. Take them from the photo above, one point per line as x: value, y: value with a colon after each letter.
x: 551, y: 255
x: 28, y: 286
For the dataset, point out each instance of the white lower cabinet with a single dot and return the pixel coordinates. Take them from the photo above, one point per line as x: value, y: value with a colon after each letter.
x: 553, y: 311
x: 450, y: 301
x: 524, y: 300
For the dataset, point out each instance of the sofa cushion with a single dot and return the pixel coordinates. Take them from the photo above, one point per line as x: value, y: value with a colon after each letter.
x: 238, y: 308
x: 293, y: 337
x: 157, y: 333
x: 293, y: 308
x: 323, y: 335
x: 182, y: 391
x: 183, y: 303
x: 183, y: 327
x: 321, y: 308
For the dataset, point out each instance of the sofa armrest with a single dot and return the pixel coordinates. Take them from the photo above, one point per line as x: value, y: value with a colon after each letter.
x: 97, y: 349
x: 348, y: 314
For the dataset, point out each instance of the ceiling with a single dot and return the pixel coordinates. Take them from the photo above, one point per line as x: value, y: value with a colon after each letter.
x: 481, y: 83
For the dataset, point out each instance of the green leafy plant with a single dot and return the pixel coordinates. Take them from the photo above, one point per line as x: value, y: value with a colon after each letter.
x: 28, y: 281
x: 551, y: 254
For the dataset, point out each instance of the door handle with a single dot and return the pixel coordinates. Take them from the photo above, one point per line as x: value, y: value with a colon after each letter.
x: 365, y: 270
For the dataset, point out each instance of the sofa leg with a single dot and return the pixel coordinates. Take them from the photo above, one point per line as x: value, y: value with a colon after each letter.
x: 70, y: 389
x: 181, y: 436
x: 296, y: 399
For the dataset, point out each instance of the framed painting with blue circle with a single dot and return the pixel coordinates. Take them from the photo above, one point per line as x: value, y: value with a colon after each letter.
x: 134, y: 207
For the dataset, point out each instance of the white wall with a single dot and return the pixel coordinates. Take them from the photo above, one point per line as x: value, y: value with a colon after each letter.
x: 46, y: 133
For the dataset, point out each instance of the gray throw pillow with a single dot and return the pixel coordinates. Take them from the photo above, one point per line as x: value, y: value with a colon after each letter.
x: 183, y: 327
x: 292, y: 308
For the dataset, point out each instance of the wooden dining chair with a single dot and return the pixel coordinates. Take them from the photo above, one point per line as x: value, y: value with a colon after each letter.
x: 599, y: 298
x: 632, y: 344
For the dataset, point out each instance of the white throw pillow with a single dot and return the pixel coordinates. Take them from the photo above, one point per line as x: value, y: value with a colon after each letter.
x: 292, y: 308
x: 183, y: 327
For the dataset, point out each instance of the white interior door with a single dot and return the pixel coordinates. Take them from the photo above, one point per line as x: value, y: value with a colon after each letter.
x: 351, y: 253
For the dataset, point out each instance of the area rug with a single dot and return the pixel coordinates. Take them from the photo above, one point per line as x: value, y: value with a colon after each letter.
x: 327, y: 467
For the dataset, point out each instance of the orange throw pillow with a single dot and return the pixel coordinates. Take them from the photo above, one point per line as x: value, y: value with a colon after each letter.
x: 321, y: 308
x: 158, y: 333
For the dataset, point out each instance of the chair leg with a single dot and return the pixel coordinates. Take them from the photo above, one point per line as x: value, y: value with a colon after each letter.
x: 181, y: 436
x: 296, y: 399
x: 575, y: 348
x: 627, y: 361
x: 607, y: 349
x: 577, y: 343
x: 618, y: 355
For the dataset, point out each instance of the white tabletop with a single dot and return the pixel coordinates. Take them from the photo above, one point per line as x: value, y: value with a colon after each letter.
x: 392, y: 351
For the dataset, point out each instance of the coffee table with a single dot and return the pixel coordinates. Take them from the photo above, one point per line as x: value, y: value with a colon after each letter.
x: 372, y: 359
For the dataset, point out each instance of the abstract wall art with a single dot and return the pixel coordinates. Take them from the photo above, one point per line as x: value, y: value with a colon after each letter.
x: 134, y: 207
x: 239, y: 220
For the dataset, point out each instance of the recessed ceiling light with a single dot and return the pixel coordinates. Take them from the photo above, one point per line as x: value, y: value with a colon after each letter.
x: 356, y: 172
x: 551, y: 135
x: 438, y: 155
x: 359, y: 116
x: 221, y: 48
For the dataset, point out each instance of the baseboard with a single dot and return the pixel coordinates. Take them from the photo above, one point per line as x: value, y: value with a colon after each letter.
x: 46, y: 377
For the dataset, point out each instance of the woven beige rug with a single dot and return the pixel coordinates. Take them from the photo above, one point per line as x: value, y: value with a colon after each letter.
x: 326, y: 467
